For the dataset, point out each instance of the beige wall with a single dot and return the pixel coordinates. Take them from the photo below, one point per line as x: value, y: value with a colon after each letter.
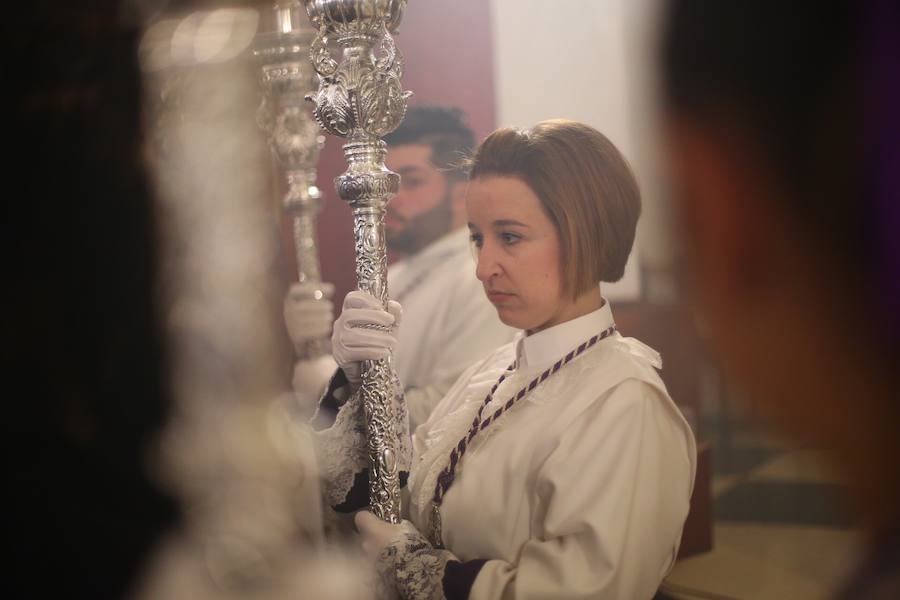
x: 588, y: 60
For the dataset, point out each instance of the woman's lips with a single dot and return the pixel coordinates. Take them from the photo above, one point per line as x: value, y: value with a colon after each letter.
x: 499, y: 297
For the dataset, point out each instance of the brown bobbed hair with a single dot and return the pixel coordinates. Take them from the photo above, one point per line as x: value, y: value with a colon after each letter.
x: 585, y: 186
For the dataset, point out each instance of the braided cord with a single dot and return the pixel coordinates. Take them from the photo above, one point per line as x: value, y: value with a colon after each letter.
x: 447, y: 476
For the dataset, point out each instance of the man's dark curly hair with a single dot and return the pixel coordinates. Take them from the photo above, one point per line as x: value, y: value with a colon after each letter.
x: 442, y: 128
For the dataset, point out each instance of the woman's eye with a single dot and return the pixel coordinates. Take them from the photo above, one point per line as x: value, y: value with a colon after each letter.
x: 510, y: 238
x: 476, y: 239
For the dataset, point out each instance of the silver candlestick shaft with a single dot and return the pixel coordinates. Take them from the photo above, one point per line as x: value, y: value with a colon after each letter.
x: 361, y: 99
x: 295, y: 139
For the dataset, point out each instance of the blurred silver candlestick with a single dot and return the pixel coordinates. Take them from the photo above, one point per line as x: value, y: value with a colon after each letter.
x: 295, y: 139
x: 360, y: 98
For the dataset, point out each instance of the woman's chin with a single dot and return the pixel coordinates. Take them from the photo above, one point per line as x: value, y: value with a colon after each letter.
x: 510, y: 318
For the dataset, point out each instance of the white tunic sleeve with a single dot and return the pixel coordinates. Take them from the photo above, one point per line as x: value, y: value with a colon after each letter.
x: 610, y: 503
x: 463, y: 327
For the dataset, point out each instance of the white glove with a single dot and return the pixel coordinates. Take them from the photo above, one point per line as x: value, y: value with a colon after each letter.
x: 408, y: 566
x: 375, y: 535
x: 306, y: 316
x: 364, y: 331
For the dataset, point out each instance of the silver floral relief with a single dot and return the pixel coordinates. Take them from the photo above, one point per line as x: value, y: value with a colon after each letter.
x: 356, y: 18
x: 382, y: 100
x: 320, y: 54
x: 334, y: 110
x: 401, y: 426
x: 378, y: 404
x: 371, y: 255
x: 366, y: 190
x: 360, y: 98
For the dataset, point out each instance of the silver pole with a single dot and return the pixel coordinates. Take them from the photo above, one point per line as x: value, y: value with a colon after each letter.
x: 361, y: 99
x: 294, y: 139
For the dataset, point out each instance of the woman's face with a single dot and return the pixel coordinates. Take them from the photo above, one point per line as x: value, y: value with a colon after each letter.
x: 518, y: 252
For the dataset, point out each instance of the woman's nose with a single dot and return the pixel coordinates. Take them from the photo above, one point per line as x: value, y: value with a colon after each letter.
x: 487, y: 265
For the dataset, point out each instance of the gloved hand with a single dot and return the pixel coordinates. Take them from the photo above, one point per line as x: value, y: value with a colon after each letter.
x: 306, y: 316
x: 406, y: 563
x: 375, y: 535
x: 364, y: 331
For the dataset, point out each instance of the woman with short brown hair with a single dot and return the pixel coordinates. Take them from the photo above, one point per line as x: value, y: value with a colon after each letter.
x: 557, y: 466
x: 569, y: 166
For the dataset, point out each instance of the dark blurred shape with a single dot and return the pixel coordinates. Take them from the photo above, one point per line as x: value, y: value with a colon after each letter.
x: 83, y: 350
x: 783, y: 147
x: 783, y: 78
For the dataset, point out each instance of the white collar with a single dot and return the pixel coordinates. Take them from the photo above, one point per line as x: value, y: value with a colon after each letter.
x: 545, y: 347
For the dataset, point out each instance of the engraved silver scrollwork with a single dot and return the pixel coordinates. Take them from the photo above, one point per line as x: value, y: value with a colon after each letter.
x: 294, y: 139
x: 361, y: 98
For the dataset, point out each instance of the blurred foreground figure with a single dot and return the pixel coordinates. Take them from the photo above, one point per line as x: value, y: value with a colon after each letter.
x: 140, y: 328
x: 82, y: 351
x: 780, y: 122
x: 234, y: 452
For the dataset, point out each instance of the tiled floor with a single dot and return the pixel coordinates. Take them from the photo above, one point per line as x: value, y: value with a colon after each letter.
x: 781, y: 528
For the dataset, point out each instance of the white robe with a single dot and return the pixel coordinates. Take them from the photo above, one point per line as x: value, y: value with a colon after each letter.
x: 581, y: 489
x: 447, y: 323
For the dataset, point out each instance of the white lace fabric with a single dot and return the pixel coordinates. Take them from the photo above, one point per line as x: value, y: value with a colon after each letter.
x: 411, y: 568
x: 341, y: 449
x: 443, y: 435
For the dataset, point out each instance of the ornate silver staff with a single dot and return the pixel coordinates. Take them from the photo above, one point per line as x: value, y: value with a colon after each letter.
x: 360, y: 98
x: 295, y: 139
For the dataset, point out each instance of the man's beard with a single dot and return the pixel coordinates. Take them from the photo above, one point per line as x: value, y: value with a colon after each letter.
x: 422, y: 230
